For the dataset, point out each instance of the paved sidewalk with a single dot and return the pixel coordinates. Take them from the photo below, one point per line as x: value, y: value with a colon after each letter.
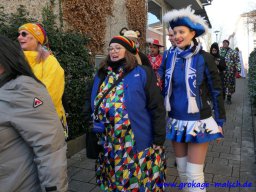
x: 233, y: 160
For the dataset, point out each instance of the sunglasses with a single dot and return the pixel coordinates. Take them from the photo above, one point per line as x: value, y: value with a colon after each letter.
x: 23, y: 34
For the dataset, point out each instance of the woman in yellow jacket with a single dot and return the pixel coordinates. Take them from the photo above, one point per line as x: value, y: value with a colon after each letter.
x: 32, y: 38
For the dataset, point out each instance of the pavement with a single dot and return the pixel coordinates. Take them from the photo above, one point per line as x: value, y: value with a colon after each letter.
x: 229, y: 164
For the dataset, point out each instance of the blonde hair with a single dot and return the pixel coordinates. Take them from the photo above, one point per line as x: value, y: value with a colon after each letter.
x: 42, y: 53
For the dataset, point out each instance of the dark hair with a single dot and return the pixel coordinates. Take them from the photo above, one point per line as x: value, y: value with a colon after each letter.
x: 13, y: 61
x: 195, y: 44
x: 158, y: 47
x: 130, y: 62
x: 193, y: 40
x: 215, y: 46
x: 226, y: 41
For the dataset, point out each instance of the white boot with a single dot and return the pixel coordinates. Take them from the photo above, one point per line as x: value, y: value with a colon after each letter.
x: 195, y: 175
x: 181, y: 167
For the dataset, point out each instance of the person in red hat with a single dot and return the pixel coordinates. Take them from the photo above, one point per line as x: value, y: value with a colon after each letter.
x: 154, y: 56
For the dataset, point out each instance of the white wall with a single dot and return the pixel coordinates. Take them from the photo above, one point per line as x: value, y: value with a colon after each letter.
x: 244, y: 39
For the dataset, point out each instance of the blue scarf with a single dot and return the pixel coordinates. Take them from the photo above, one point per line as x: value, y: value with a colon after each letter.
x: 191, y: 58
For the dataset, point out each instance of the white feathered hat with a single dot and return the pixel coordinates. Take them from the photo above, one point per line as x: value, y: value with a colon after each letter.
x: 186, y: 17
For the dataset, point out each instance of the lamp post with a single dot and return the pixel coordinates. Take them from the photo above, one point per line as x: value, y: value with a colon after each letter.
x: 216, y: 33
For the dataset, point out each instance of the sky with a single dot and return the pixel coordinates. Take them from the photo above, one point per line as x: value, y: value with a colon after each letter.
x: 224, y: 14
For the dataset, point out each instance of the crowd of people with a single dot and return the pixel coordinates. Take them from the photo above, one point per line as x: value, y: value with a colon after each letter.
x: 137, y: 102
x: 132, y: 138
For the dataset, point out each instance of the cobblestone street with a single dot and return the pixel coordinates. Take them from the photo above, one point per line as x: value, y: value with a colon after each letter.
x: 233, y: 160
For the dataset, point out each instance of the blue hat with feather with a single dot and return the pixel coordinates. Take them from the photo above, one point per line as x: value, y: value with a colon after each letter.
x: 186, y: 17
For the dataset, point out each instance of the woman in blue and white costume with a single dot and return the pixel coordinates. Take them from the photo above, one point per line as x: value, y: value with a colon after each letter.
x: 190, y: 76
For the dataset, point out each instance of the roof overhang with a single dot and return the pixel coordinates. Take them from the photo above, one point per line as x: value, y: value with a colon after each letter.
x: 203, y: 13
x: 178, y: 4
x: 197, y: 5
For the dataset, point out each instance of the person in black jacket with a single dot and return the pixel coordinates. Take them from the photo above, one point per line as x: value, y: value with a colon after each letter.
x: 220, y: 62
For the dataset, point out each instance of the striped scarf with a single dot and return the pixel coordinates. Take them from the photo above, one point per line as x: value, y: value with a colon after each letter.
x: 191, y: 58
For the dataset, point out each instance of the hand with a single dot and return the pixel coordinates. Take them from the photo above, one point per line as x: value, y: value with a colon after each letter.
x: 157, y: 147
x: 221, y: 131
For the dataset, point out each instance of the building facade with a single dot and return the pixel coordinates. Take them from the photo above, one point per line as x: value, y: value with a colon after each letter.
x: 100, y: 20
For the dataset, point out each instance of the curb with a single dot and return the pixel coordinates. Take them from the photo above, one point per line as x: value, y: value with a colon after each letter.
x: 75, y: 145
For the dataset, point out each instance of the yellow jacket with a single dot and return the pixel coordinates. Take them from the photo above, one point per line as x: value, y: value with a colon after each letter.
x: 51, y: 74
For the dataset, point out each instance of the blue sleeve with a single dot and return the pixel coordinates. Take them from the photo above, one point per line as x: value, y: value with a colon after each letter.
x: 155, y: 105
x: 94, y: 90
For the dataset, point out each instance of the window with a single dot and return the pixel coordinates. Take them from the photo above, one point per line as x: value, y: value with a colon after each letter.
x: 154, y: 14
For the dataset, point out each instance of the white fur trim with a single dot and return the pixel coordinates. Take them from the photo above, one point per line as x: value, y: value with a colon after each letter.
x: 186, y: 12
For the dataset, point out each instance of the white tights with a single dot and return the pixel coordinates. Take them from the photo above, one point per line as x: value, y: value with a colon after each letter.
x: 195, y: 173
x: 190, y: 173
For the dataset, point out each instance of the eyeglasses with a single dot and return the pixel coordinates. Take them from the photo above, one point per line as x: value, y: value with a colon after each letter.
x: 115, y: 49
x: 23, y: 34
